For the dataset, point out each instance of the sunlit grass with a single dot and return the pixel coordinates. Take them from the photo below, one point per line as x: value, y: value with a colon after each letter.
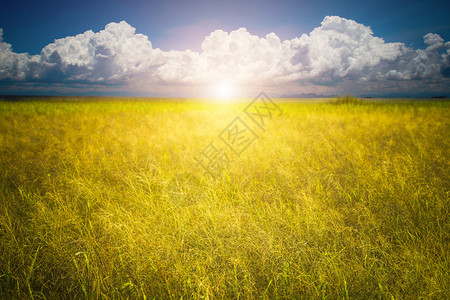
x: 103, y: 199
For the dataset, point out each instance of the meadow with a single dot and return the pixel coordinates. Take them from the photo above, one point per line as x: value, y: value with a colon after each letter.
x: 104, y: 199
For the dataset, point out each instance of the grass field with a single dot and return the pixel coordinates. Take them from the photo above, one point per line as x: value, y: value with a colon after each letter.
x: 104, y: 199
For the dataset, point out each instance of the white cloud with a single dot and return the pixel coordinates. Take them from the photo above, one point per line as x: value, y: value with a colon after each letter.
x: 111, y: 55
x: 13, y: 66
x: 337, y: 53
x: 343, y: 48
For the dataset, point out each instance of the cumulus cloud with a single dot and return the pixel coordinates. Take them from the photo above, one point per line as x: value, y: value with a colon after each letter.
x: 111, y: 55
x: 13, y: 66
x: 335, y: 53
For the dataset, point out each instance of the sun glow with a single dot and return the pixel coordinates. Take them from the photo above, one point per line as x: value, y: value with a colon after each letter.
x: 224, y: 90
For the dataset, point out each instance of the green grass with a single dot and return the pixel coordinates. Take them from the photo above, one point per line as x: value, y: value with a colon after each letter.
x: 103, y: 199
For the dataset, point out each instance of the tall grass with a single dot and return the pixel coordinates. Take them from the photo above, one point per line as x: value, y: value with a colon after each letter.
x: 103, y: 199
x: 347, y: 99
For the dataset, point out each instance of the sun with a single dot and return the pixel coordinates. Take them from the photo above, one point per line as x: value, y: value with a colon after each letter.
x: 224, y: 90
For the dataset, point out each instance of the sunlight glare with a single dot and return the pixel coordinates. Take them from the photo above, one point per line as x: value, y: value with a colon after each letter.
x: 224, y: 90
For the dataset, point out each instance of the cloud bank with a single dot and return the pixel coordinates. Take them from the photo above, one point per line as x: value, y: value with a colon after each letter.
x: 340, y: 55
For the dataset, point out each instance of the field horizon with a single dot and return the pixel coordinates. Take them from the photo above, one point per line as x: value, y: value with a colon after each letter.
x: 107, y: 198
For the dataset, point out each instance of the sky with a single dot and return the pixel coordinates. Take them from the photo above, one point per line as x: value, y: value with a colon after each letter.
x: 224, y: 48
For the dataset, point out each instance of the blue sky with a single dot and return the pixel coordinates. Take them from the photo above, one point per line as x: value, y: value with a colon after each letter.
x: 29, y: 26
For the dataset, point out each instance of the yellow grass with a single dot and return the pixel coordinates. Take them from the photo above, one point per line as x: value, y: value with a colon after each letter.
x: 104, y: 199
